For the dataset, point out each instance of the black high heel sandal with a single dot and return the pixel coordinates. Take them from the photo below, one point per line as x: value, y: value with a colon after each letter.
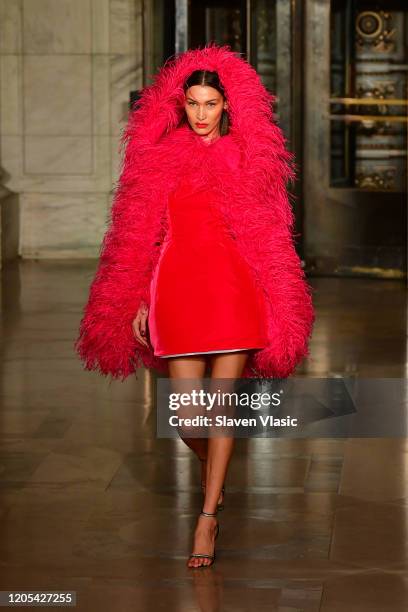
x: 202, y: 555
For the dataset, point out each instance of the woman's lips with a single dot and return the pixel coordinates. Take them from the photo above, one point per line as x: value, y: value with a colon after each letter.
x: 201, y: 125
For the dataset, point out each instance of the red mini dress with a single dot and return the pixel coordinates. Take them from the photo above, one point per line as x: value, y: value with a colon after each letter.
x: 203, y: 297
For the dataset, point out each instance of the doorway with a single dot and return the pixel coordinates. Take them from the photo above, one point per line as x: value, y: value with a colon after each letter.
x: 355, y: 137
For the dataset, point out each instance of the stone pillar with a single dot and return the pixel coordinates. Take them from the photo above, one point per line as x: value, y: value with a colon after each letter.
x: 66, y: 69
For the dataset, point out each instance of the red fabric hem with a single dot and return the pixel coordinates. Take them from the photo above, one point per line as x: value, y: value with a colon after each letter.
x: 243, y: 346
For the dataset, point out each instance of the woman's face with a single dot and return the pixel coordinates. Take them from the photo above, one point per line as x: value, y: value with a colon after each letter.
x: 204, y: 106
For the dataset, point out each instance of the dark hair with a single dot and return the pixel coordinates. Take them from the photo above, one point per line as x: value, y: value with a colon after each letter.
x: 209, y: 79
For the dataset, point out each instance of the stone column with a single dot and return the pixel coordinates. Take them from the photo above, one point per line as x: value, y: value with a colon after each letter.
x: 66, y: 69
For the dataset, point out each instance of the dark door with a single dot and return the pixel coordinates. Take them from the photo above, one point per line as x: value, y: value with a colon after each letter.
x: 355, y: 140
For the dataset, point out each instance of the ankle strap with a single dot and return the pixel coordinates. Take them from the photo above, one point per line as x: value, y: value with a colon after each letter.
x: 202, y: 513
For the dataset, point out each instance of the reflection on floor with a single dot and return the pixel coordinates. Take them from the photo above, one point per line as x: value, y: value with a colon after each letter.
x: 93, y: 502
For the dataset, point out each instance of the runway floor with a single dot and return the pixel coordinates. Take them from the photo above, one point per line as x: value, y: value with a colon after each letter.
x: 93, y: 502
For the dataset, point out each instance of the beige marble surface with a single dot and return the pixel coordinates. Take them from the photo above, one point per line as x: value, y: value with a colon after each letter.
x: 67, y: 67
x: 69, y: 222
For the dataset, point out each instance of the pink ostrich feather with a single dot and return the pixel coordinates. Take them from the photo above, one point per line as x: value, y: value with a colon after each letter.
x: 250, y: 170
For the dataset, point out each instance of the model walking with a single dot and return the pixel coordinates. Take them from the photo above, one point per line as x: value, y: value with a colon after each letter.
x: 198, y: 266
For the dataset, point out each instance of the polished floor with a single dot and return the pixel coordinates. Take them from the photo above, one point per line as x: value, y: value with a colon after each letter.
x: 93, y: 502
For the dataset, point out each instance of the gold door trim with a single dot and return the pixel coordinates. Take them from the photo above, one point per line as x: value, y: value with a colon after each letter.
x: 369, y: 101
x: 386, y: 118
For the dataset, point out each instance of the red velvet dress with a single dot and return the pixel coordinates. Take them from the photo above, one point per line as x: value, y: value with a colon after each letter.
x: 203, y: 295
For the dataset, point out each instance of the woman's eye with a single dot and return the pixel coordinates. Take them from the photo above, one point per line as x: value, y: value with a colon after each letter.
x: 208, y: 103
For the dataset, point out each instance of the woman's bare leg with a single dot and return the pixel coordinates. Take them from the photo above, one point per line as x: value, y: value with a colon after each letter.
x: 190, y: 367
x: 219, y: 451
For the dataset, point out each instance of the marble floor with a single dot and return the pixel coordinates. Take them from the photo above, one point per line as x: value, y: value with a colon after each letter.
x: 93, y: 502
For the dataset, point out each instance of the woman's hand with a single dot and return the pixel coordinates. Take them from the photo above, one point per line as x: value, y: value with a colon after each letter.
x: 139, y: 324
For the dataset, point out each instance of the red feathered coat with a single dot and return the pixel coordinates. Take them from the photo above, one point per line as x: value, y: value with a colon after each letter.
x: 250, y: 172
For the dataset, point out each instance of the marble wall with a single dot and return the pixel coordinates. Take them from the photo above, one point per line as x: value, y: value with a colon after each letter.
x: 66, y: 69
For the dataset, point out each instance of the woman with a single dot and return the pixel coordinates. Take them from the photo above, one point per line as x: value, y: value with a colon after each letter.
x: 198, y: 265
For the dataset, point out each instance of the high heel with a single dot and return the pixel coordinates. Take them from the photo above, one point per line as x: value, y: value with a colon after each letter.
x: 202, y: 555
